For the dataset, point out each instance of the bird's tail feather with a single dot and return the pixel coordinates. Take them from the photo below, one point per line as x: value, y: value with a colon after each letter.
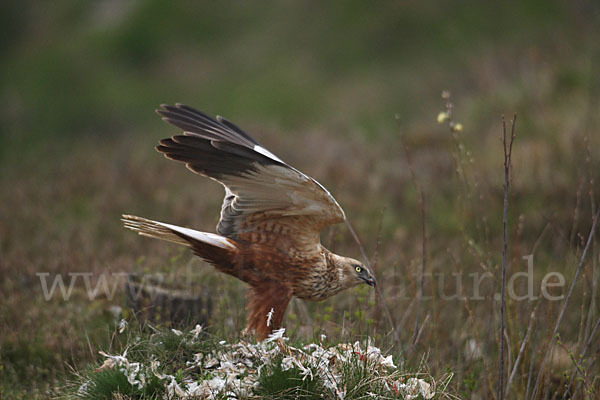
x: 176, y: 234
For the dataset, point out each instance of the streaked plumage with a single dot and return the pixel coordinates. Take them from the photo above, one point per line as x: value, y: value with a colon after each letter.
x: 271, y: 217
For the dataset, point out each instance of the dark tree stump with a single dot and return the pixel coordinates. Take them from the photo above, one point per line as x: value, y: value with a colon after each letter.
x: 153, y: 300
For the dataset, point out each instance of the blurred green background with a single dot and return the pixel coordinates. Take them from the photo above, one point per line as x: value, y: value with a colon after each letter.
x: 347, y: 91
x: 75, y: 67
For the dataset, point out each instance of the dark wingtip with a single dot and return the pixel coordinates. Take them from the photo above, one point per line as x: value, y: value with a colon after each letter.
x: 166, y: 119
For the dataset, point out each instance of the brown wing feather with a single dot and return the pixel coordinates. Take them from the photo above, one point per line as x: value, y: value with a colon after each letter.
x: 264, y: 195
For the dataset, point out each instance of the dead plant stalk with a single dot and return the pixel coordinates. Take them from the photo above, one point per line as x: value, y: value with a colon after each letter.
x: 507, y: 165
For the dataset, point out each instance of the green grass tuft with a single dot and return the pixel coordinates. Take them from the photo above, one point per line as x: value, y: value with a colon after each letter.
x: 107, y: 383
x: 277, y: 383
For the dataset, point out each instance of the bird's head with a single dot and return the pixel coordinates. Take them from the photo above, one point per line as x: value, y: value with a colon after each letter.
x: 353, y: 272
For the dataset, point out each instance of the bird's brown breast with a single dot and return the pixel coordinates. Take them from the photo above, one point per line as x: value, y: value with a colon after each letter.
x: 308, y: 274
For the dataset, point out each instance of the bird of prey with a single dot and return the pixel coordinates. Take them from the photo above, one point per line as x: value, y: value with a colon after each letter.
x: 271, y: 218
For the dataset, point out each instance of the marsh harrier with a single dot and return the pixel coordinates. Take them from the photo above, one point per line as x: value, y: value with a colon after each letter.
x: 268, y: 234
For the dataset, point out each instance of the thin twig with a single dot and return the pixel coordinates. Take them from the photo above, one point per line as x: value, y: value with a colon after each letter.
x: 358, y: 241
x: 582, y: 357
x: 592, y: 305
x: 423, y: 264
x: 531, y: 366
x: 564, y: 306
x: 577, y: 366
x: 539, y: 239
x: 421, y: 330
x: 509, y: 351
x: 507, y: 159
x: 522, y: 349
x: 407, y: 312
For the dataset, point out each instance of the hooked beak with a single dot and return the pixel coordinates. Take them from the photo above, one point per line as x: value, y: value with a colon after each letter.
x: 371, y: 281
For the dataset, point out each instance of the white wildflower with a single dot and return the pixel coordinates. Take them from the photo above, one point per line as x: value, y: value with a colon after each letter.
x: 457, y: 127
x: 270, y: 317
x: 442, y: 117
x: 177, y: 332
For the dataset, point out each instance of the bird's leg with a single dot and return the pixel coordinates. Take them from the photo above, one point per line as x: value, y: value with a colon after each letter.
x: 268, y: 301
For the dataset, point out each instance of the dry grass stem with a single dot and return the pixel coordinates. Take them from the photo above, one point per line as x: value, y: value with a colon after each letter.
x: 508, y: 145
x: 564, y: 307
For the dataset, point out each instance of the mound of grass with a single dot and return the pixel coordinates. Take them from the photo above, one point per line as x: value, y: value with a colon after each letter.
x: 191, y: 364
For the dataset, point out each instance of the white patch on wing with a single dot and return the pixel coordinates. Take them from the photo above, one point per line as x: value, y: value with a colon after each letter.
x: 210, y: 238
x: 265, y: 152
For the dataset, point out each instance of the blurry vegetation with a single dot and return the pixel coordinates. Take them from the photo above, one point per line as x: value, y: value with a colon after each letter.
x: 330, y: 88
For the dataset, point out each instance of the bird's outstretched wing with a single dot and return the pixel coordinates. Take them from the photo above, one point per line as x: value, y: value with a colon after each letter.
x: 265, y: 198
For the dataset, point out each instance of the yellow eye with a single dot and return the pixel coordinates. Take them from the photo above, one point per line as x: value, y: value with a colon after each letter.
x: 358, y: 269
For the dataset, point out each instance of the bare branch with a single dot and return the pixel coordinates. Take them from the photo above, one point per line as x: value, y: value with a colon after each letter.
x: 507, y: 164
